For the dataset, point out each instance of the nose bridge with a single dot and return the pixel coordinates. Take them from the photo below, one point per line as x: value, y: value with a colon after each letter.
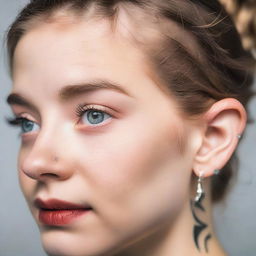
x: 45, y: 155
x: 49, y: 140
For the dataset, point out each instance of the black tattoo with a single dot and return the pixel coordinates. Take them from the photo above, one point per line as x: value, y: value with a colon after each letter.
x: 199, y: 226
x: 207, y: 238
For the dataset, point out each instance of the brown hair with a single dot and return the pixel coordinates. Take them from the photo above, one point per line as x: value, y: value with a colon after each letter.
x: 244, y: 15
x: 199, y: 58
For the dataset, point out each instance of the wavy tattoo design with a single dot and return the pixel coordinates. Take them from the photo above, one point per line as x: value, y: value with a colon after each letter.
x: 200, y: 225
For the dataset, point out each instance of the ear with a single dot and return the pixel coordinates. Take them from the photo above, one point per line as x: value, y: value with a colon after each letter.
x: 224, y: 124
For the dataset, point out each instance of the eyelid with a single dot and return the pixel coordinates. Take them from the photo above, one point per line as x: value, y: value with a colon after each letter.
x: 17, y: 117
x: 17, y: 121
x: 82, y: 109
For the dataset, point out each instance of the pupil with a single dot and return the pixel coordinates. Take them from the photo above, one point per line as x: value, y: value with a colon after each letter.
x: 27, y: 126
x: 96, y: 116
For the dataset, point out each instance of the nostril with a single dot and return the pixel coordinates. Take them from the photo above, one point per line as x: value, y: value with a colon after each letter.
x: 50, y: 175
x: 39, y: 168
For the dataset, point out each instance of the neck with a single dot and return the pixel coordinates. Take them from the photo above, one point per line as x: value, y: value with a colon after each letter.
x: 191, y: 234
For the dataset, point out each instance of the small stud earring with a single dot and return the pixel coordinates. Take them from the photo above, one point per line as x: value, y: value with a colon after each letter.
x: 239, y: 136
x: 216, y: 171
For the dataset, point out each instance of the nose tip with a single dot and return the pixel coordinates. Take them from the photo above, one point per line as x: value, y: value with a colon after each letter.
x: 44, y: 158
x: 41, y: 167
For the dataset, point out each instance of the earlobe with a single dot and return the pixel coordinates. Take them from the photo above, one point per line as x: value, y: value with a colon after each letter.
x: 224, y: 124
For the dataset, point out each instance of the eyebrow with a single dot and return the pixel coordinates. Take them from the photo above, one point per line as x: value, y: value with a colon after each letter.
x: 16, y: 99
x: 70, y: 91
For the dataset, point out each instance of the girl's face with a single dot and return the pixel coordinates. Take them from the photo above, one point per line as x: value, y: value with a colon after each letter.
x: 123, y: 159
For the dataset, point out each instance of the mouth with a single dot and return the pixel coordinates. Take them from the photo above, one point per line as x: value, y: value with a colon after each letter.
x: 56, y: 204
x: 55, y: 212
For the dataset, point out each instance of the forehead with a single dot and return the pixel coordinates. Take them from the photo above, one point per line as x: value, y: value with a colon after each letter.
x: 79, y: 40
x: 65, y: 34
x: 65, y: 28
x: 56, y: 54
x: 74, y: 49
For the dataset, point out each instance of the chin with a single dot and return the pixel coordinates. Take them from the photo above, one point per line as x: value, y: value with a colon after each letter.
x: 63, y: 243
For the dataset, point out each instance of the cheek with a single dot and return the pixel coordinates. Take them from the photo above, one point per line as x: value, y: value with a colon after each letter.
x: 142, y: 178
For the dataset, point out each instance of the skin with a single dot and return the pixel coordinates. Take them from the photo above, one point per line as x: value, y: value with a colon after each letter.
x: 128, y: 168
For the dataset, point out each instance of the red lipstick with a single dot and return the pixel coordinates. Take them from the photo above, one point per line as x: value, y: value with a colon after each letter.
x: 56, y: 212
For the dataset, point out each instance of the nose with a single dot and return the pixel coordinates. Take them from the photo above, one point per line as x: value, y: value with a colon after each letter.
x: 44, y: 160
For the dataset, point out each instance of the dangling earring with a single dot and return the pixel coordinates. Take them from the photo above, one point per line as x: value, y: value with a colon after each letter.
x: 200, y: 194
x: 200, y: 225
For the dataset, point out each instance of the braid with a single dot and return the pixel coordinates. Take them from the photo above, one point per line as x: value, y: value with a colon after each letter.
x: 244, y: 15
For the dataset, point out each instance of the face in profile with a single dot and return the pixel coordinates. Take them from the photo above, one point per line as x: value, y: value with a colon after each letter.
x: 99, y: 133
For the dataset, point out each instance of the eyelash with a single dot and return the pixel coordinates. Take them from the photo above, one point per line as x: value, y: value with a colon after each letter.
x: 81, y: 109
x: 17, y: 121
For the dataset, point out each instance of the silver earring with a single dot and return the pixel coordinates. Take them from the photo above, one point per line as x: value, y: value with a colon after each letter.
x: 239, y: 136
x: 216, y: 171
x: 199, y: 190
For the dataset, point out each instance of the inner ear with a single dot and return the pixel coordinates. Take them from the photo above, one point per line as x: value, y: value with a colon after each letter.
x: 219, y: 130
x: 225, y: 125
x: 211, y: 139
x: 223, y: 122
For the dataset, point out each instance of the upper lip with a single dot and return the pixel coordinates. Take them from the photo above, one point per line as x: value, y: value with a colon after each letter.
x: 56, y: 204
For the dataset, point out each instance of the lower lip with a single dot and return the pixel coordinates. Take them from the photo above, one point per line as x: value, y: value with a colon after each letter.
x: 60, y: 217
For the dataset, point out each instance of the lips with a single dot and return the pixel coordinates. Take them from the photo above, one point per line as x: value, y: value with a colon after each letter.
x: 56, y: 204
x: 55, y: 212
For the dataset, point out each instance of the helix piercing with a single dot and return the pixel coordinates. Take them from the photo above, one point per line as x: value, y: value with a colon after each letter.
x: 216, y: 171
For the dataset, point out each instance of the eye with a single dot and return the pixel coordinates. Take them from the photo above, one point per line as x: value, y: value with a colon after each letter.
x: 25, y: 124
x: 92, y: 115
x: 28, y: 126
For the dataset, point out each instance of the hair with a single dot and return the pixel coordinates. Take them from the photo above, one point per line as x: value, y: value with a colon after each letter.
x: 193, y: 47
x: 244, y: 16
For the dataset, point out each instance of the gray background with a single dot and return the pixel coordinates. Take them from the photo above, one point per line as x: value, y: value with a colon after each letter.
x: 234, y: 218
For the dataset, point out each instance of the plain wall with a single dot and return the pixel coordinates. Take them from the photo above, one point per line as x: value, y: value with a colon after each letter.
x: 19, y: 235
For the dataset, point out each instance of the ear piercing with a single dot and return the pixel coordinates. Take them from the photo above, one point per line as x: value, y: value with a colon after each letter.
x: 216, y: 171
x: 239, y: 136
x: 200, y: 194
